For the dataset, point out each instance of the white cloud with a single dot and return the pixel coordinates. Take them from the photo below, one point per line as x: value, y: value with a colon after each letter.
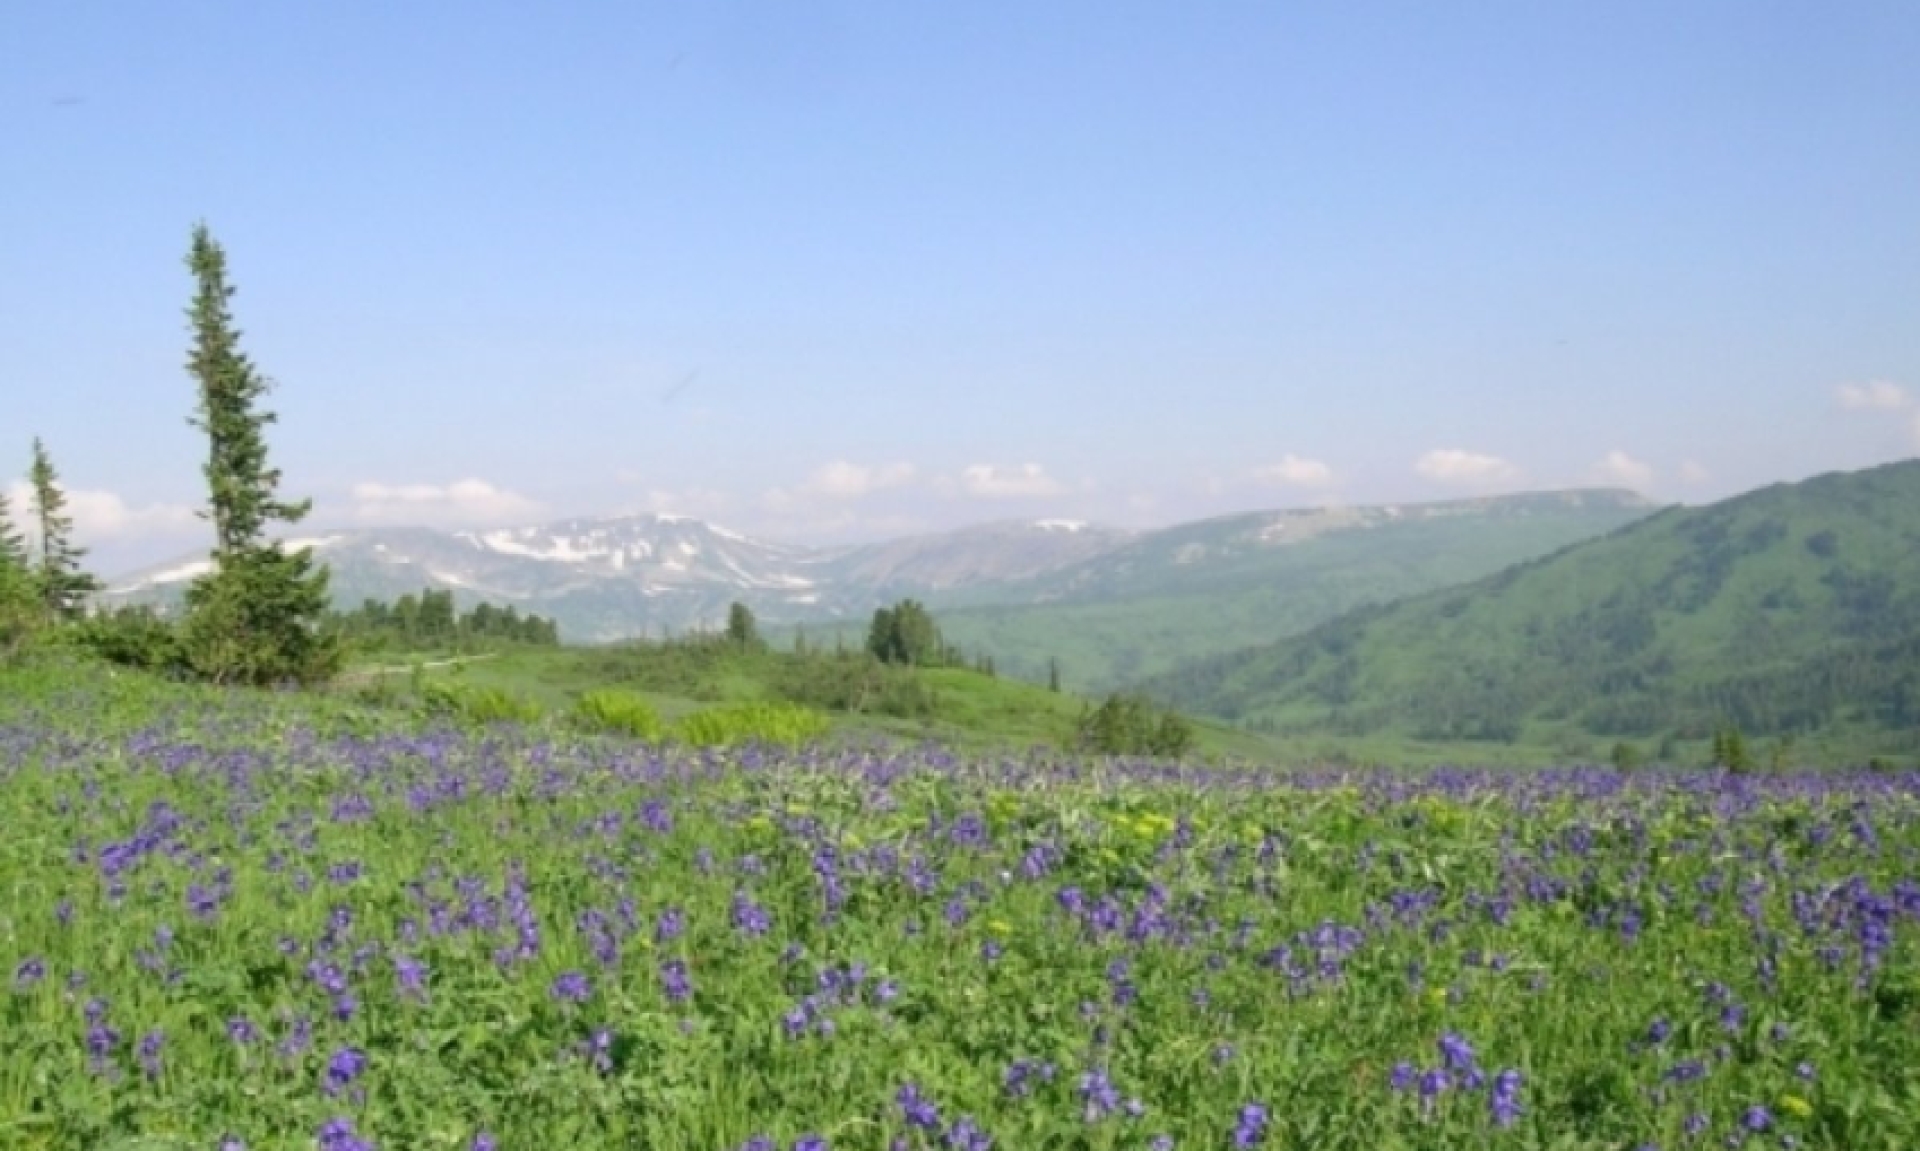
x: 103, y: 516
x: 1295, y: 471
x: 1453, y: 465
x: 1004, y: 481
x: 840, y: 479
x: 1916, y: 431
x: 1620, y: 468
x: 700, y: 503
x: 468, y: 501
x: 1694, y: 472
x: 1874, y: 396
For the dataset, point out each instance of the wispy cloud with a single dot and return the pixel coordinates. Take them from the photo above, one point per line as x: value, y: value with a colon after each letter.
x: 467, y: 501
x: 1458, y: 466
x: 1617, y: 467
x: 1694, y: 472
x: 840, y: 479
x: 1872, y: 396
x: 1294, y: 471
x: 700, y: 503
x: 1008, y: 481
x: 102, y: 516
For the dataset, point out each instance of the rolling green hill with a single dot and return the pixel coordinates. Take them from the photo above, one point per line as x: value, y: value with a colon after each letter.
x: 1204, y: 588
x: 952, y: 706
x: 1791, y: 611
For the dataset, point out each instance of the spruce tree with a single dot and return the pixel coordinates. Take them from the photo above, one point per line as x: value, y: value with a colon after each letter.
x: 255, y: 618
x: 18, y: 603
x: 61, y: 585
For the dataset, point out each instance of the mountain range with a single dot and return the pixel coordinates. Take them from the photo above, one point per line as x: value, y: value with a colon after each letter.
x: 1234, y: 580
x: 1789, y: 611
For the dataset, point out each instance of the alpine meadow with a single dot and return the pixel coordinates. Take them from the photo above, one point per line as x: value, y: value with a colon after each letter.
x: 992, y: 578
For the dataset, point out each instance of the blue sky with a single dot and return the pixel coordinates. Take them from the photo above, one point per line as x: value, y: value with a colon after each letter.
x: 830, y: 271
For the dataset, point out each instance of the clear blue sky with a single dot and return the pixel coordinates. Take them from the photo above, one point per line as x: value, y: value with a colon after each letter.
x: 827, y: 271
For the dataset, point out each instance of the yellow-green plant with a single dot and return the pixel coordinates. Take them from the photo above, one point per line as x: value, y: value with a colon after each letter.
x: 781, y: 723
x: 620, y: 712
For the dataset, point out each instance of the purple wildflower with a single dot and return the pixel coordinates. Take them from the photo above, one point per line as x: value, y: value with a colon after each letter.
x: 1251, y: 1130
x: 675, y: 981
x: 30, y: 972
x: 572, y: 987
x: 1504, y: 1103
x: 343, y: 1068
x: 338, y: 1135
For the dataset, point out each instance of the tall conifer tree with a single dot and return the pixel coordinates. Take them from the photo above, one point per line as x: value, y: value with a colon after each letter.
x: 255, y: 618
x: 58, y: 579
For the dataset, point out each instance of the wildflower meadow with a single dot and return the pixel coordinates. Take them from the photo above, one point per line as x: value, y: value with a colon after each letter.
x: 245, y: 921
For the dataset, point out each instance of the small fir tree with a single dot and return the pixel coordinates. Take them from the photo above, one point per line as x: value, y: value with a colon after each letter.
x: 61, y: 585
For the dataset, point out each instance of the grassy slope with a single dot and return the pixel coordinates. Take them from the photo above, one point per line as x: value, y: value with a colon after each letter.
x: 1795, y: 608
x: 971, y: 710
x: 1151, y: 613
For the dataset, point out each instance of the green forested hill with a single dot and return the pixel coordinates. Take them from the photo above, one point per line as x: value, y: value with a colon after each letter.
x: 1793, y: 609
x: 1214, y: 586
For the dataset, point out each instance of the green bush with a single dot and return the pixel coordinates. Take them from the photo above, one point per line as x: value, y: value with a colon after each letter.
x: 132, y: 637
x: 478, y: 705
x: 1130, y: 724
x: 781, y: 723
x: 620, y: 712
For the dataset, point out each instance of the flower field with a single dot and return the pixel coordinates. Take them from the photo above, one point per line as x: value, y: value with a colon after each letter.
x: 241, y: 921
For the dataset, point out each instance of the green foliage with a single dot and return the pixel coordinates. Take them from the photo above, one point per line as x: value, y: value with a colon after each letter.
x: 905, y: 633
x: 475, y: 704
x: 773, y: 723
x: 255, y: 621
x: 19, y: 606
x: 132, y: 637
x: 1127, y: 723
x: 1730, y: 750
x: 256, y: 618
x: 618, y: 712
x: 742, y: 629
x: 60, y: 584
x: 432, y: 621
x: 1625, y: 756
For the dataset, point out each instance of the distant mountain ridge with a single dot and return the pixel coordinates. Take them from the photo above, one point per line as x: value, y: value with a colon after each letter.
x: 618, y: 577
x: 1227, y: 582
x: 1793, y: 610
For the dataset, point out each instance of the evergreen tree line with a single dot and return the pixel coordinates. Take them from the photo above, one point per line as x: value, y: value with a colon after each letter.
x: 431, y: 620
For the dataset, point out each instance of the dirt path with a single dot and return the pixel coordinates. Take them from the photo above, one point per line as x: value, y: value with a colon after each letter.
x: 367, y: 673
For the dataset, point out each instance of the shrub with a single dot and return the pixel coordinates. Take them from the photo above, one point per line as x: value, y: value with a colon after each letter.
x: 1130, y: 724
x: 781, y: 723
x: 133, y: 637
x: 479, y: 705
x: 620, y: 712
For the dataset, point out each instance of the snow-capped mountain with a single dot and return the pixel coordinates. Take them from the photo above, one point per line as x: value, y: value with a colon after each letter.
x: 613, y: 578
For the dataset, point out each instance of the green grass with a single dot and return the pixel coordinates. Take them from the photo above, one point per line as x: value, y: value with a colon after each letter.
x: 964, y: 708
x: 210, y: 903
